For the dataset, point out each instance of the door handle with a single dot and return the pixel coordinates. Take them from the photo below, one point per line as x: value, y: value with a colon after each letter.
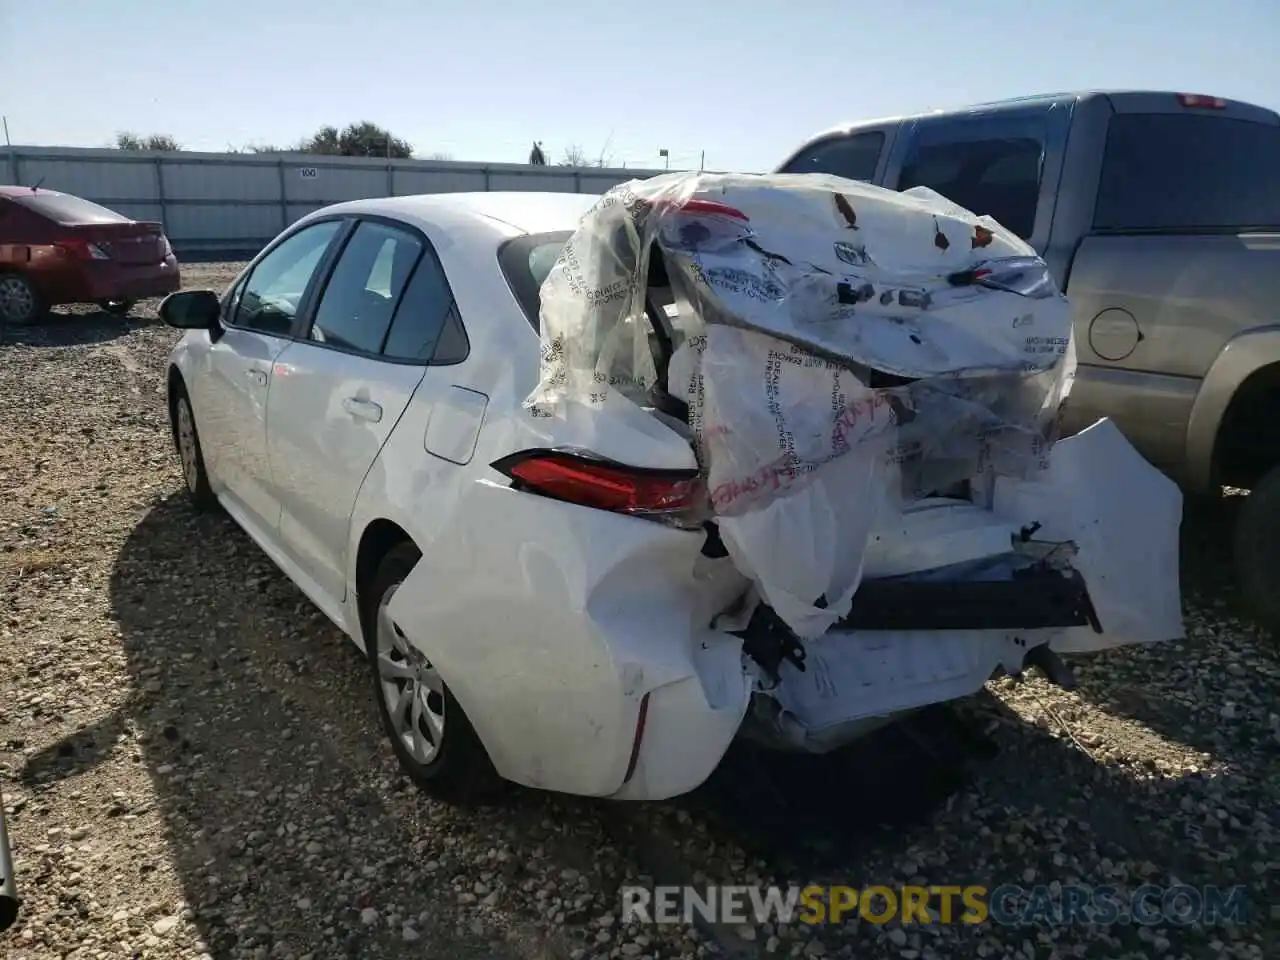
x: 257, y: 376
x: 363, y: 409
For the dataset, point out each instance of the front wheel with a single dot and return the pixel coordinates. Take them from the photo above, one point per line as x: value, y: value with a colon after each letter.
x: 190, y: 456
x: 1257, y: 550
x: 432, y: 738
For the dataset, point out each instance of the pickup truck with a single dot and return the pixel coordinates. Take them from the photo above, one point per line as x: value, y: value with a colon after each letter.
x: 1159, y: 215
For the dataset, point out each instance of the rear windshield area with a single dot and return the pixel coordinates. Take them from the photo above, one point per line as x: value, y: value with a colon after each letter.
x: 65, y: 209
x: 525, y: 262
x: 1187, y: 172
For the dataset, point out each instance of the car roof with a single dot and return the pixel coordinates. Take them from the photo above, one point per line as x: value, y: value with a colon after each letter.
x: 501, y: 214
x: 8, y: 190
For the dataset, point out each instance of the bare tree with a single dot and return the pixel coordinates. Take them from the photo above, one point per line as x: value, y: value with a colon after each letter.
x: 575, y: 156
x: 155, y: 141
x: 440, y: 155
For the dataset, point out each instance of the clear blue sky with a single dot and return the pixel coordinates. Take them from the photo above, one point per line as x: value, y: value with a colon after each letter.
x: 481, y: 79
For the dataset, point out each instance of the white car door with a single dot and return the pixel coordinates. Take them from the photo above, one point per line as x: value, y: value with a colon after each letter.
x: 231, y: 395
x: 339, y: 390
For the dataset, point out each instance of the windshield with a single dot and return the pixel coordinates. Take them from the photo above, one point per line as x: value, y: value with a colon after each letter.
x: 525, y: 262
x: 66, y: 209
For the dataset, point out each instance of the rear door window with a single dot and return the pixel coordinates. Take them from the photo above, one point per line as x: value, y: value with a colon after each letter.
x: 427, y: 327
x: 998, y: 177
x: 355, y: 310
x: 852, y: 156
x: 1185, y: 172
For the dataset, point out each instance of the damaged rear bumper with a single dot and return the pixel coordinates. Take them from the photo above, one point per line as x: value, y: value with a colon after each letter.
x: 854, y: 682
x: 907, y: 643
x: 1106, y: 526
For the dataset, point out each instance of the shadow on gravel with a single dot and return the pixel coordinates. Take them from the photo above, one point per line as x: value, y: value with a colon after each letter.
x: 1208, y: 575
x: 63, y: 329
x: 804, y: 812
x: 856, y: 816
x: 1179, y: 693
x: 284, y: 815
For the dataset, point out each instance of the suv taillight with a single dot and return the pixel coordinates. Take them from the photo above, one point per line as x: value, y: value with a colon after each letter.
x: 81, y: 249
x: 674, y: 496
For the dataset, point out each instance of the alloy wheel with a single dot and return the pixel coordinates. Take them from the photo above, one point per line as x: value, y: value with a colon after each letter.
x: 410, y: 686
x: 187, y: 446
x: 16, y: 300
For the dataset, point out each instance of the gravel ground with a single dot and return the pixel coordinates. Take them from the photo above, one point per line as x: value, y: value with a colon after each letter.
x: 191, y: 763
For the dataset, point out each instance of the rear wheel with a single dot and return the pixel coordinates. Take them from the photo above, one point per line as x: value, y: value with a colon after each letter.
x: 1257, y: 550
x: 432, y: 738
x: 20, y: 302
x: 117, y: 308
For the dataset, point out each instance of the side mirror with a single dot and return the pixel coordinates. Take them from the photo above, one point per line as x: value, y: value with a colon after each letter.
x: 191, y: 309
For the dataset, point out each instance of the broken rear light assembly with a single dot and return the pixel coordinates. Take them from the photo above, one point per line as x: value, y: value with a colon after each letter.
x: 1026, y: 276
x: 697, y: 206
x: 673, y: 496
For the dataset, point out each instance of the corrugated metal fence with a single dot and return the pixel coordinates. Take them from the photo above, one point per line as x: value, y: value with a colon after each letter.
x: 229, y: 204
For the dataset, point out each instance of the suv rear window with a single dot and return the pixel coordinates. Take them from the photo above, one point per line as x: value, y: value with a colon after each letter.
x: 1166, y: 171
x: 66, y: 209
x: 852, y: 157
x: 994, y: 178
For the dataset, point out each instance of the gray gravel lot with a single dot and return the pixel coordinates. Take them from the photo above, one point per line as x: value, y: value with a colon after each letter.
x: 191, y: 763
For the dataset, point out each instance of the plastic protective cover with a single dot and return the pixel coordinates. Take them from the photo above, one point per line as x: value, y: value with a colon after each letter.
x: 843, y: 350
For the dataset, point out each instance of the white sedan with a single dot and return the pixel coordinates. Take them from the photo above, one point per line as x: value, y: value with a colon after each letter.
x: 354, y: 402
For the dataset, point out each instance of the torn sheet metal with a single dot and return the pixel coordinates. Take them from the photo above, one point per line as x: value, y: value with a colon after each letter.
x: 1123, y: 517
x: 844, y: 350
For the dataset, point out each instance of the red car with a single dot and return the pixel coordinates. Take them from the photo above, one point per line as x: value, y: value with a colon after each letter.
x: 56, y: 248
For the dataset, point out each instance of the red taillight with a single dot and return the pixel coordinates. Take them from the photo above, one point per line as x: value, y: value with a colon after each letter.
x: 80, y: 249
x: 712, y: 206
x: 603, y: 484
x: 1201, y: 102
x: 701, y: 208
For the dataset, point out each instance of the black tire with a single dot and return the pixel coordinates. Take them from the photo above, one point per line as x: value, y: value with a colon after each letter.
x: 117, y: 308
x: 1257, y: 550
x: 194, y: 474
x: 9, y: 908
x: 460, y: 771
x: 20, y: 302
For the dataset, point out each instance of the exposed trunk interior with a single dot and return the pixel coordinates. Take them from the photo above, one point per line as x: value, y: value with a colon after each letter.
x: 898, y: 646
